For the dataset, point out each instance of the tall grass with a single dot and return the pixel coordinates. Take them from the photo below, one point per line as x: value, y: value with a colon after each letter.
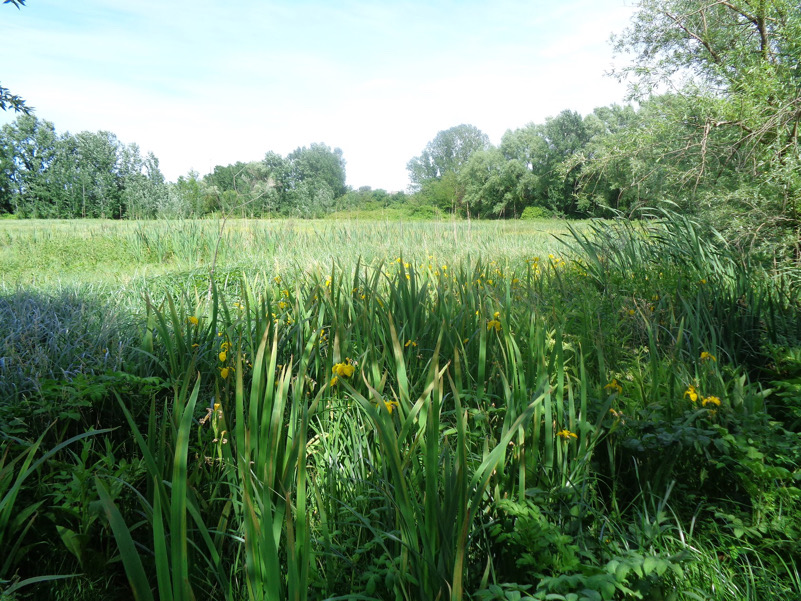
x: 471, y: 416
x: 45, y: 252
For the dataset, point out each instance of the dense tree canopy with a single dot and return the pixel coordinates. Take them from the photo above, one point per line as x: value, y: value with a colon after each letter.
x: 728, y: 124
x: 93, y: 174
x: 447, y: 153
x: 434, y: 174
x: 83, y: 175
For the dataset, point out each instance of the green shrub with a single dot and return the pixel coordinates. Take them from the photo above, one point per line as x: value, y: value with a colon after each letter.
x: 535, y: 213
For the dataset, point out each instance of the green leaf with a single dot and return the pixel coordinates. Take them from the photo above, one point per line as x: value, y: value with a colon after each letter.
x: 648, y: 565
x: 130, y: 556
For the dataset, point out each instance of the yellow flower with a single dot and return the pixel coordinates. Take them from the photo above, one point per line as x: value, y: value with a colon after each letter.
x: 343, y: 370
x: 334, y: 381
x: 614, y: 386
x: 390, y: 405
x: 711, y: 400
x: 410, y: 343
x: 192, y: 319
x: 566, y: 434
x: 224, y: 372
x: 222, y: 356
x: 692, y: 393
x: 494, y: 323
x: 705, y: 356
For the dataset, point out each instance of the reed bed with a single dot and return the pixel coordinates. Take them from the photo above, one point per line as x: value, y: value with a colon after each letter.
x: 391, y: 411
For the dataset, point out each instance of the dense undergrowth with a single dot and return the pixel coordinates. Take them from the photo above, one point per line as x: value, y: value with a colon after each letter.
x: 620, y: 421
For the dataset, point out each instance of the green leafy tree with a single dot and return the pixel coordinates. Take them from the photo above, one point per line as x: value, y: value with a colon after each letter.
x: 735, y: 89
x: 98, y: 174
x: 495, y: 186
x: 542, y: 149
x: 28, y: 147
x: 370, y: 199
x: 223, y: 178
x: 311, y: 198
x: 317, y: 163
x: 190, y: 189
x: 90, y: 174
x: 605, y: 179
x: 145, y: 193
x: 276, y: 183
x: 607, y: 188
x: 447, y: 153
x: 13, y: 102
x: 7, y: 171
x: 240, y: 188
x: 445, y: 193
x: 308, y: 180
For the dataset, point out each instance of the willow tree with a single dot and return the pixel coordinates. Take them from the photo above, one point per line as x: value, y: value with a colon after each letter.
x: 726, y: 127
x: 434, y: 174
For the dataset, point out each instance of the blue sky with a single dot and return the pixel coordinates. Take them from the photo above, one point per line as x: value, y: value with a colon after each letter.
x: 202, y: 83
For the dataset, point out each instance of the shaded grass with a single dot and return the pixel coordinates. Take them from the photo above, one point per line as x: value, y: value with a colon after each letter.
x: 56, y: 336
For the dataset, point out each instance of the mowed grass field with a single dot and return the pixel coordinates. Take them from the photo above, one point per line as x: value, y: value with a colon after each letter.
x: 381, y: 410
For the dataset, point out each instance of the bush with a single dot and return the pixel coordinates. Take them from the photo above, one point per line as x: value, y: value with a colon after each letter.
x: 535, y: 213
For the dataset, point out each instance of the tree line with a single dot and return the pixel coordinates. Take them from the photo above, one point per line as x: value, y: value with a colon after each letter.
x: 45, y: 174
x: 49, y: 175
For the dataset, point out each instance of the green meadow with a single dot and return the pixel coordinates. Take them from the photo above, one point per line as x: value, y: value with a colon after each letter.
x: 44, y: 254
x: 366, y: 409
